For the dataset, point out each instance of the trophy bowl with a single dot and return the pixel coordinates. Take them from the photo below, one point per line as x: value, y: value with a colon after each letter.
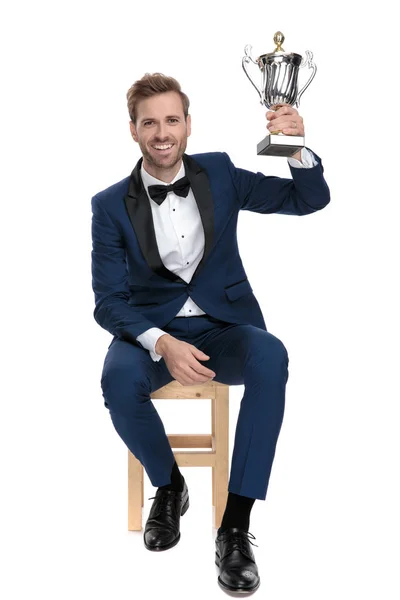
x: 279, y: 86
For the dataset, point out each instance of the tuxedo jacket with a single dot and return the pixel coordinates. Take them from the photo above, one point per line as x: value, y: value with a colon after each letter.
x: 132, y: 287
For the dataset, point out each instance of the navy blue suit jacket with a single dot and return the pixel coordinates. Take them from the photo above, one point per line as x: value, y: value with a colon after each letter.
x: 135, y: 291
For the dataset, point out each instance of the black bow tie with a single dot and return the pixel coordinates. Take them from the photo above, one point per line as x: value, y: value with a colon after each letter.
x: 158, y: 193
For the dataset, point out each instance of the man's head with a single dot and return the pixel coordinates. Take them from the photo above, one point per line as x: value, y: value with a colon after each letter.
x: 159, y: 117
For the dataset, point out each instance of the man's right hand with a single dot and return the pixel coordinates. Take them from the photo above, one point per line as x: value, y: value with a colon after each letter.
x: 181, y: 360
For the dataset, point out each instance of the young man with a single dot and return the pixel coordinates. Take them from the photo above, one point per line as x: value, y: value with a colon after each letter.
x: 170, y: 286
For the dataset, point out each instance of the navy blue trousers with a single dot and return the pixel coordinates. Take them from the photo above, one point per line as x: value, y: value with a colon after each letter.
x: 239, y: 354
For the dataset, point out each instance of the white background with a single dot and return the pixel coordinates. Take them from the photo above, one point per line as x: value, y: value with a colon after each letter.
x: 327, y: 285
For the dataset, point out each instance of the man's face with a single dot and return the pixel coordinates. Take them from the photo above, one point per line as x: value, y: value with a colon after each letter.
x: 161, y: 122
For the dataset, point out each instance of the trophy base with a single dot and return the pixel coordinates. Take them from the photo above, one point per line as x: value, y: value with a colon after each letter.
x: 280, y: 145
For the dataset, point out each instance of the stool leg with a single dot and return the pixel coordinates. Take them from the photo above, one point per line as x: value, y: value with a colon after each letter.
x: 213, y: 436
x: 221, y: 476
x: 135, y: 492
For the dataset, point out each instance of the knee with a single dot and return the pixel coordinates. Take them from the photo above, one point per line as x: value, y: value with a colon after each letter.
x: 281, y: 350
x: 270, y: 355
x: 124, y: 389
x: 273, y: 348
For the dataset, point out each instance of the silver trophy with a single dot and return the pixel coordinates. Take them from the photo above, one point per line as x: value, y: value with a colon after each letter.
x: 279, y: 72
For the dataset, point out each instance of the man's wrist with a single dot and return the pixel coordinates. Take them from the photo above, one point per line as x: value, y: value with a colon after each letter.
x: 297, y: 155
x: 160, y: 344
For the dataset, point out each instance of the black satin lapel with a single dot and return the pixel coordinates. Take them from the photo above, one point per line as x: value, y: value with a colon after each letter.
x: 139, y: 211
x: 200, y: 185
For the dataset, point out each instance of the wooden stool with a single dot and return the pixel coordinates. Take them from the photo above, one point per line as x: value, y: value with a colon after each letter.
x: 217, y: 457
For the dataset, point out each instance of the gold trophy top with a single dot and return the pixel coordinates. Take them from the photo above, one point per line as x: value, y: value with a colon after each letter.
x: 279, y: 38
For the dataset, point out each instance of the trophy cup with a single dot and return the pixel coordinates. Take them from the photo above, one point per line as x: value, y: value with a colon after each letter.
x: 279, y: 87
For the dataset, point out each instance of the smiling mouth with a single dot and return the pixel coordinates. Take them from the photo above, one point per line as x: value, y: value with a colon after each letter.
x: 162, y: 148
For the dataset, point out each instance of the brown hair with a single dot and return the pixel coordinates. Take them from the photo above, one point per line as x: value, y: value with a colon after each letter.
x: 150, y: 85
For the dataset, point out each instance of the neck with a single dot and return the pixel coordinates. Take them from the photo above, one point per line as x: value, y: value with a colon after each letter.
x: 166, y: 175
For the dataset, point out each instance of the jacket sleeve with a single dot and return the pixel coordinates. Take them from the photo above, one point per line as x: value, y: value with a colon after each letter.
x: 305, y: 193
x: 110, y: 279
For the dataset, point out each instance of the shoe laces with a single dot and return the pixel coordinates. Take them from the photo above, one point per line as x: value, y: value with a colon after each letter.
x: 163, y: 501
x: 237, y: 537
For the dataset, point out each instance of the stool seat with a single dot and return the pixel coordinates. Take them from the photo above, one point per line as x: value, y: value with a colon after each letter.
x: 216, y: 456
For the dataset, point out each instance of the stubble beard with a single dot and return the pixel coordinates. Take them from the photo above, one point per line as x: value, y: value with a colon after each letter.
x: 162, y: 164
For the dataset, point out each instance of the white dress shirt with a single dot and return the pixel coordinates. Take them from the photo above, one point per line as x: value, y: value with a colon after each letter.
x: 180, y: 239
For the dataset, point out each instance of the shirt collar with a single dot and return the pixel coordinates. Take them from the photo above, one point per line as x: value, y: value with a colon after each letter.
x: 150, y: 180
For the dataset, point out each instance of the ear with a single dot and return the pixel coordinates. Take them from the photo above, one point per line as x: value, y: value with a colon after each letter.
x: 133, y: 131
x: 189, y: 125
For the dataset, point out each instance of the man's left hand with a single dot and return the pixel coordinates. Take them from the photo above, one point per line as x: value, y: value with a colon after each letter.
x: 286, y: 120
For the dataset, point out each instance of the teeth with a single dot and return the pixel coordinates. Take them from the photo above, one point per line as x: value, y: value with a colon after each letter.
x: 164, y: 147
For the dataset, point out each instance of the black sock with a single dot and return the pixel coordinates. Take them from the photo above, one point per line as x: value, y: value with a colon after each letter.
x: 237, y: 512
x: 176, y: 480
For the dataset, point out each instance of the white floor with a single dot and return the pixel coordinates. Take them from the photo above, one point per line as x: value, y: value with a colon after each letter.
x: 76, y: 544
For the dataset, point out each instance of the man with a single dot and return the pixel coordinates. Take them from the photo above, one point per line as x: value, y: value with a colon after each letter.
x: 170, y: 286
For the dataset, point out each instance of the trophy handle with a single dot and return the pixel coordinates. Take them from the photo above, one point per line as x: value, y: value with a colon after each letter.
x: 245, y: 60
x: 313, y: 66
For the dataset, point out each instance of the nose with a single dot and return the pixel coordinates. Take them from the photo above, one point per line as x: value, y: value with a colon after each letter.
x: 162, y: 132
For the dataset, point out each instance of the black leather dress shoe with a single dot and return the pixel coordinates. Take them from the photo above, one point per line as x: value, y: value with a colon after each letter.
x: 236, y: 562
x: 162, y: 526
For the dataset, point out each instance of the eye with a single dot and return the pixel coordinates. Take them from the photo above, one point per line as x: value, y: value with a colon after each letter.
x: 147, y: 122
x: 173, y: 119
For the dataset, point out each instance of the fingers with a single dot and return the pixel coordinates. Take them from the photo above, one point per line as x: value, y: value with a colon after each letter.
x: 191, y: 377
x: 198, y: 353
x: 291, y: 124
x: 284, y: 117
x: 185, y: 367
x: 284, y: 110
x: 293, y: 130
x: 196, y: 365
x: 191, y: 373
x: 202, y: 369
x: 187, y: 381
x: 194, y: 372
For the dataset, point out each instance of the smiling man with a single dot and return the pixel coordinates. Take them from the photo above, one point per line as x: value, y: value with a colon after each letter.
x: 161, y: 130
x: 170, y: 286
